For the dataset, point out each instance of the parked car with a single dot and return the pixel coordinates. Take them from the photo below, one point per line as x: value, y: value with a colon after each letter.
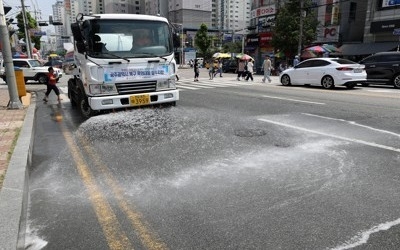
x: 32, y: 69
x: 54, y: 63
x: 383, y: 68
x: 229, y: 66
x: 68, y: 65
x: 327, y: 72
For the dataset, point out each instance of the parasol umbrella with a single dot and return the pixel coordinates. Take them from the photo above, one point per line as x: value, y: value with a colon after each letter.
x: 221, y: 55
x: 331, y: 48
x: 279, y: 54
x: 317, y: 49
x: 308, y: 54
x: 244, y: 57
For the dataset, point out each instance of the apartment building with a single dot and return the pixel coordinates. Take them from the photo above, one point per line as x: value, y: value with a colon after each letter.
x: 124, y: 6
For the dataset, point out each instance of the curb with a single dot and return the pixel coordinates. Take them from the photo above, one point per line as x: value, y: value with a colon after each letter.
x: 14, y: 193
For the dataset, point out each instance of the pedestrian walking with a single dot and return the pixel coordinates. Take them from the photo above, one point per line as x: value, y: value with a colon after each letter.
x: 219, y: 69
x: 250, y: 66
x: 176, y: 73
x: 51, y: 85
x: 240, y: 69
x: 196, y: 70
x: 296, y: 60
x: 267, y: 68
x: 213, y: 68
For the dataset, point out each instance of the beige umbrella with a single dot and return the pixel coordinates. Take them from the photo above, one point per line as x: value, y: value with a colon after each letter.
x: 221, y: 55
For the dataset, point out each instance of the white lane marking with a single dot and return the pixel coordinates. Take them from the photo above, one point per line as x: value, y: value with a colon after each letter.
x: 382, y: 90
x: 355, y: 124
x: 293, y: 100
x: 372, y: 144
x: 362, y: 237
x: 198, y: 84
x: 180, y: 86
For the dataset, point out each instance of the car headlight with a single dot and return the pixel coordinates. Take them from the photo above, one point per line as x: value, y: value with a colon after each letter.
x: 101, y: 89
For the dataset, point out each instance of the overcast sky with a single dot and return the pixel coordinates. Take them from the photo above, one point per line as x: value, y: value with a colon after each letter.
x: 43, y: 8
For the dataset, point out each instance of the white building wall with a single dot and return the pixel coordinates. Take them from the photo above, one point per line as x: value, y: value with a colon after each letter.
x: 124, y: 6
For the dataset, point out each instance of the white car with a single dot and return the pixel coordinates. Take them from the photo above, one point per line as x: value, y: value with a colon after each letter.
x: 32, y: 69
x: 327, y: 72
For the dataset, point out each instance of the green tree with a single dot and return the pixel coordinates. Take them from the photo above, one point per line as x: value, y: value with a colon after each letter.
x: 203, y: 41
x: 232, y: 47
x: 286, y: 31
x: 32, y: 24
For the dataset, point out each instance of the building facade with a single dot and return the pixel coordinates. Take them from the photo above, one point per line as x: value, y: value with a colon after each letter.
x: 230, y: 20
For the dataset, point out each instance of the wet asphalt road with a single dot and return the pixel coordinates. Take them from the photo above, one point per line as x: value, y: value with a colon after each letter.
x: 236, y: 167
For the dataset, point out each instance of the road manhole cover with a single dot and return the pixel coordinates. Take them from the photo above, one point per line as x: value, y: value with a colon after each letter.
x: 249, y: 132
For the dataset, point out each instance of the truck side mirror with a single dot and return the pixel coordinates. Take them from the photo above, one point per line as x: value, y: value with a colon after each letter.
x: 76, y: 32
x: 80, y: 46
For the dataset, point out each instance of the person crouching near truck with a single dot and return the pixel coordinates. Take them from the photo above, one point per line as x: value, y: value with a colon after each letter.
x: 51, y: 85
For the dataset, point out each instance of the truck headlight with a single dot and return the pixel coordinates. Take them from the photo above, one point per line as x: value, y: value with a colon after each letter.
x: 166, y: 84
x: 101, y: 89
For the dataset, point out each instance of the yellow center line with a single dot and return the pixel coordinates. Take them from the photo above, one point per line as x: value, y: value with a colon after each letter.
x: 115, y: 236
x: 148, y: 238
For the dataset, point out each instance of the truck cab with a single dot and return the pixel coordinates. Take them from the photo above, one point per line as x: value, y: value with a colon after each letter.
x: 122, y: 60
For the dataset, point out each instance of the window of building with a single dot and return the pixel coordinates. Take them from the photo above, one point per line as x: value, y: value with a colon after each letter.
x: 352, y: 11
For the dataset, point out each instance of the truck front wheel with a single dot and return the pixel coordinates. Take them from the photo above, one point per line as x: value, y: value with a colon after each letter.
x: 84, y: 107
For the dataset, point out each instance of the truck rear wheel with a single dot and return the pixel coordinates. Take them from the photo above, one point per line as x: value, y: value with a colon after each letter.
x: 84, y: 107
x: 71, y: 92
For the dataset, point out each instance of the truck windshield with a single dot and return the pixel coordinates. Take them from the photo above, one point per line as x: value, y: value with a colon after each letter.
x: 129, y: 38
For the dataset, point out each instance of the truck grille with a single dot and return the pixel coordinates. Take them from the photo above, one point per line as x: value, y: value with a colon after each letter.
x: 136, y: 87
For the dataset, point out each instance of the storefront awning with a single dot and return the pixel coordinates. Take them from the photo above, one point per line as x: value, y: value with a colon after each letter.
x: 356, y: 49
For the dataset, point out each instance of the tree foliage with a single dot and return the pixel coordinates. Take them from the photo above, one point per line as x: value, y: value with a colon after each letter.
x: 287, y: 26
x: 202, y: 40
x: 32, y: 24
x: 233, y: 47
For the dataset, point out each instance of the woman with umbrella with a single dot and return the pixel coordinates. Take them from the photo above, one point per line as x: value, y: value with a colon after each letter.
x: 240, y: 69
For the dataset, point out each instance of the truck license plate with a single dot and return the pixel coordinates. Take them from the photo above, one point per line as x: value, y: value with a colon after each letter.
x: 137, y: 100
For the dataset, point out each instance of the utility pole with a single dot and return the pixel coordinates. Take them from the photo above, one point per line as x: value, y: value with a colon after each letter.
x: 14, y: 102
x: 244, y: 24
x: 26, y: 29
x: 301, y: 27
x: 182, y: 43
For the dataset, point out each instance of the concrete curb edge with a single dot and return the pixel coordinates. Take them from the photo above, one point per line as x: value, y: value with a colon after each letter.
x: 14, y: 193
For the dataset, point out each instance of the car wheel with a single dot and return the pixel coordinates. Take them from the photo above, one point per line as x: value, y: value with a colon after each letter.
x: 396, y: 81
x: 285, y: 80
x: 42, y: 79
x: 351, y: 85
x: 364, y: 84
x: 327, y: 82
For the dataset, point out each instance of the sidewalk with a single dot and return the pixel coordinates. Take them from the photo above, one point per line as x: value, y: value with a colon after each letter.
x: 16, y: 137
x: 11, y: 121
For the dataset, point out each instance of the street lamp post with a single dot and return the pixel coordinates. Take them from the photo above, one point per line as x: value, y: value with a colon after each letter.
x: 182, y: 41
x: 301, y: 27
x: 26, y: 29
